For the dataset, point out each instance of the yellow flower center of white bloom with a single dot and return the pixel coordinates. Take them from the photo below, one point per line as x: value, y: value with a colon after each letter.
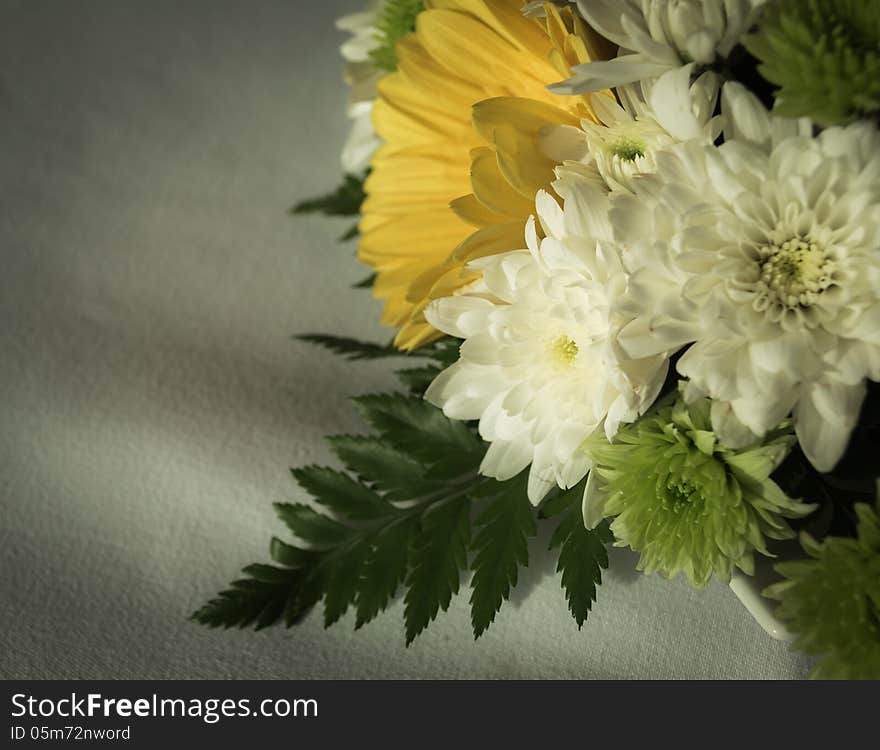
x: 795, y: 273
x: 564, y: 351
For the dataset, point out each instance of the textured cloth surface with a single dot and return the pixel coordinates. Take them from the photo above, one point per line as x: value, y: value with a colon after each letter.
x: 153, y: 398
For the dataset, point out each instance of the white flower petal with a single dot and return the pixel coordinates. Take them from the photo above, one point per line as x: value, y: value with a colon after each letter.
x: 561, y: 143
x: 647, y: 337
x: 744, y: 116
x: 362, y: 141
x: 609, y: 74
x: 606, y: 17
x: 731, y: 432
x: 593, y: 508
x: 550, y: 214
x: 824, y: 418
x: 541, y: 480
x: 504, y: 460
x: 459, y: 316
x: 668, y: 93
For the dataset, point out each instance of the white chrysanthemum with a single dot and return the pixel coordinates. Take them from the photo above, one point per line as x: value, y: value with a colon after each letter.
x: 655, y: 36
x: 362, y: 76
x: 764, y: 252
x: 539, y: 367
x: 627, y: 139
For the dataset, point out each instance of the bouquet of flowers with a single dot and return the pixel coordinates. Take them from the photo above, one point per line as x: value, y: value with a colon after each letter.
x: 632, y: 248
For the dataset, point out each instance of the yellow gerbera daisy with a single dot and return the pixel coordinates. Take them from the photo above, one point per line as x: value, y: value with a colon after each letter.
x: 460, y: 119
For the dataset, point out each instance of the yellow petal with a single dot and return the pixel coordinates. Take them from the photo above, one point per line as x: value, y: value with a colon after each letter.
x: 466, y: 47
x: 526, y: 115
x: 514, y: 125
x: 427, y: 237
x: 493, y: 190
x: 506, y: 19
x: 450, y: 185
x: 498, y: 238
x: 416, y: 333
x: 469, y: 209
x: 521, y: 162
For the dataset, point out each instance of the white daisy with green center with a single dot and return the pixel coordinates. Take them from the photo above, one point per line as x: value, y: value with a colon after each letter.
x: 625, y: 142
x: 764, y: 254
x: 539, y: 367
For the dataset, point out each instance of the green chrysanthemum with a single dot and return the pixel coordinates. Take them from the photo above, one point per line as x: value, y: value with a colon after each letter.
x: 396, y: 18
x: 684, y: 502
x: 824, y: 55
x: 832, y: 601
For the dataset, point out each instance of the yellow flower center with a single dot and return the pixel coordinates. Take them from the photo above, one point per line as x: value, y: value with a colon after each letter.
x: 564, y: 351
x: 796, y: 272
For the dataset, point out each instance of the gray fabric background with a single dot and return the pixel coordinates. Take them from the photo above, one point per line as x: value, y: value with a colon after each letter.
x: 152, y: 398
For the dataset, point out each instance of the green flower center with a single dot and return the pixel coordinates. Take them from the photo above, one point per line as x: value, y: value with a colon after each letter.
x: 564, y: 351
x: 795, y: 273
x: 680, y: 495
x: 627, y: 148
